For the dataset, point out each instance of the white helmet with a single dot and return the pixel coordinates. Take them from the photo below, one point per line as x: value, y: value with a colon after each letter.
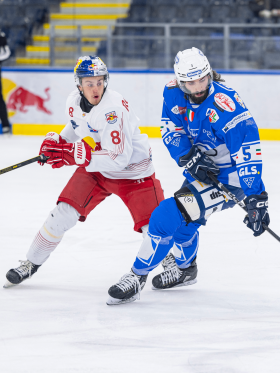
x: 191, y: 64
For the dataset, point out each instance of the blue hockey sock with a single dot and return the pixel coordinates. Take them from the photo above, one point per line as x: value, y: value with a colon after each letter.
x: 164, y: 222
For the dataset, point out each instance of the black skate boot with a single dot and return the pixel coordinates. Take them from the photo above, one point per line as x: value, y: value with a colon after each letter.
x: 175, y: 276
x: 23, y: 272
x: 168, y: 262
x: 127, y: 289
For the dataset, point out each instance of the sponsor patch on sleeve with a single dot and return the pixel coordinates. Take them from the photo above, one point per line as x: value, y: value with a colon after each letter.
x: 239, y: 118
x: 74, y: 124
x: 175, y: 110
x: 91, y: 129
x: 239, y: 100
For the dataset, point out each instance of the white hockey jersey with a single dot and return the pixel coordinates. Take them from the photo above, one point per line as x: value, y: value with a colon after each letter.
x: 121, y: 151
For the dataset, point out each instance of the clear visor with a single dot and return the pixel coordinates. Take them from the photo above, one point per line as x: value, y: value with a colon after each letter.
x: 183, y: 87
x: 92, y: 82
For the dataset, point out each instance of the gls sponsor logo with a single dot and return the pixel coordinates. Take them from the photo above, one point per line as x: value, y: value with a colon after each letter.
x: 170, y: 138
x: 244, y: 171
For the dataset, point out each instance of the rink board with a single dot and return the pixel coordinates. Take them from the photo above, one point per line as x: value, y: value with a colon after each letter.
x: 36, y: 98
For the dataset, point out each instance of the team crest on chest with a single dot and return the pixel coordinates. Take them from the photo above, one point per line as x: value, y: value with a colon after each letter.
x: 111, y: 117
x: 224, y: 102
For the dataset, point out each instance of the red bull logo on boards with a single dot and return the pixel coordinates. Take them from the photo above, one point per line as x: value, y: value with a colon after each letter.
x: 20, y: 98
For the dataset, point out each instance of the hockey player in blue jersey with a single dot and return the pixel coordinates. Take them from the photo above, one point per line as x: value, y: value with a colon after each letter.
x: 206, y: 126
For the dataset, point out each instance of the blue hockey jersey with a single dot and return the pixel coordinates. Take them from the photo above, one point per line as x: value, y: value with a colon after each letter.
x: 222, y: 127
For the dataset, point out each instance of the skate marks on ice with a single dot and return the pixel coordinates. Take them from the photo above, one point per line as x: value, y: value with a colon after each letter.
x: 59, y: 322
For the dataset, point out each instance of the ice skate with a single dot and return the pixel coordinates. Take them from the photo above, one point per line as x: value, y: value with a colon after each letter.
x: 6, y: 131
x: 175, y: 277
x: 23, y: 272
x: 168, y: 262
x: 127, y: 289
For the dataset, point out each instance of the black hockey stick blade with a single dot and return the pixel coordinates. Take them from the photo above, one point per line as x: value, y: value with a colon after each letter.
x: 239, y: 203
x: 42, y: 158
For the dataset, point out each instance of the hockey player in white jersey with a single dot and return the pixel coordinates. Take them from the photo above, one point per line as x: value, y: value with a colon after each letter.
x: 102, y: 138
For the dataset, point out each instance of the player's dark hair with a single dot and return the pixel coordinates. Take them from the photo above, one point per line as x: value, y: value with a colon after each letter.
x: 217, y: 77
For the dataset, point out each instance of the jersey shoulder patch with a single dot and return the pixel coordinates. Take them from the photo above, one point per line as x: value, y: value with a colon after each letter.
x: 226, y: 109
x: 172, y: 84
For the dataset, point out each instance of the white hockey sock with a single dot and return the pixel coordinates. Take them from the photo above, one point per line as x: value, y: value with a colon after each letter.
x: 62, y: 218
x: 145, y: 229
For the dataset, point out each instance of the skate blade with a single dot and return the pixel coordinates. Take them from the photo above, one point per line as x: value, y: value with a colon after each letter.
x: 8, y: 284
x: 176, y: 286
x: 115, y: 302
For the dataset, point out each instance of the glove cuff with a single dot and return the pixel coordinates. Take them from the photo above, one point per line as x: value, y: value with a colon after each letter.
x: 185, y: 158
x: 257, y: 197
x: 82, y: 154
x: 52, y: 136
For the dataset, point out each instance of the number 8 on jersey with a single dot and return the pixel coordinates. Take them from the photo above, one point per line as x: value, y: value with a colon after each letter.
x: 115, y: 137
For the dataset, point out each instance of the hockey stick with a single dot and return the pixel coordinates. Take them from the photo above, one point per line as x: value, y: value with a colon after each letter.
x: 236, y: 200
x: 42, y: 158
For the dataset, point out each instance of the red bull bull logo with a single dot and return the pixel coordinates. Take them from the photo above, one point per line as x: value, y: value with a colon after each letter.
x: 93, y: 67
x: 20, y: 98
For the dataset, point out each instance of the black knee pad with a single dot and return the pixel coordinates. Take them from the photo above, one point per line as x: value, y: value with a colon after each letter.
x: 187, y: 204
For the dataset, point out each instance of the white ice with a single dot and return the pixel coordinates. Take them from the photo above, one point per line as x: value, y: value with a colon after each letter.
x: 229, y: 322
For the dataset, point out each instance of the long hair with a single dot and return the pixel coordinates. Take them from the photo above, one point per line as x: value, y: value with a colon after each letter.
x: 217, y: 77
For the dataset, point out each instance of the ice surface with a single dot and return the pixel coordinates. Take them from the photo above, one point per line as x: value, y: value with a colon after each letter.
x: 229, y: 322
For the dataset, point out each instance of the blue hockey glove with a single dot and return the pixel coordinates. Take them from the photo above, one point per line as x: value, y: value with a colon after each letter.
x: 198, y: 164
x: 256, y: 206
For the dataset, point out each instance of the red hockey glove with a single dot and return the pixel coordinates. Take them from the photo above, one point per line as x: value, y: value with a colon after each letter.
x: 50, y: 139
x: 61, y: 153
